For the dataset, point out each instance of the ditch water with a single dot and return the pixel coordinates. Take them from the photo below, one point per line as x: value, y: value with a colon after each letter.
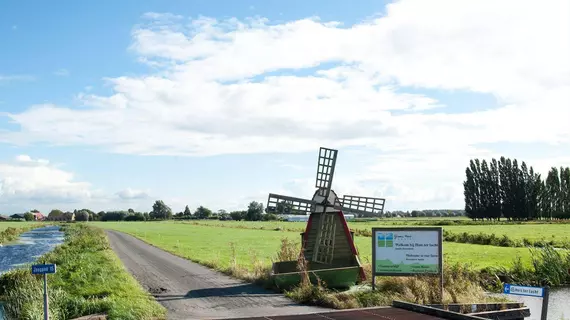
x: 558, y: 304
x: 29, y: 247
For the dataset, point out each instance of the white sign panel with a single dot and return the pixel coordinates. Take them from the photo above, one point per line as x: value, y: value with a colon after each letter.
x: 523, y: 290
x: 407, y: 251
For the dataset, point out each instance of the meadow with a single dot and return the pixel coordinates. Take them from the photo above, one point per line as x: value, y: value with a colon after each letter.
x: 558, y: 233
x: 15, y: 224
x: 218, y: 246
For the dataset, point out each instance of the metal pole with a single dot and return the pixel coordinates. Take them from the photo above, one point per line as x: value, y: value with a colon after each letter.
x: 46, y: 315
x: 544, y: 311
x: 373, y: 261
x: 441, y: 286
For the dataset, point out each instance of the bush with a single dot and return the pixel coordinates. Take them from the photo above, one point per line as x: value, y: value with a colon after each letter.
x: 270, y: 217
x: 135, y: 217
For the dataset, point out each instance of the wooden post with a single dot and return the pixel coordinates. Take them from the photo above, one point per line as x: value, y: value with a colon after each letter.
x: 544, y: 311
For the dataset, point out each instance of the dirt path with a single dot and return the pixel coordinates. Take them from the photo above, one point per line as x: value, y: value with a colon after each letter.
x: 191, y: 291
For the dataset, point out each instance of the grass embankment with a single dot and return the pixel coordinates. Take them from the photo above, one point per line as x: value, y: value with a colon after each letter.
x: 11, y: 231
x: 247, y: 254
x: 90, y: 279
x: 502, y: 234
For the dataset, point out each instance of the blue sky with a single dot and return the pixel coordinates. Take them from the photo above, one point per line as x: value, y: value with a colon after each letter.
x: 112, y: 105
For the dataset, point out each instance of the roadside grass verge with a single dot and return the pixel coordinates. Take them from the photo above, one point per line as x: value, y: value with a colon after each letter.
x: 461, y: 285
x: 90, y: 279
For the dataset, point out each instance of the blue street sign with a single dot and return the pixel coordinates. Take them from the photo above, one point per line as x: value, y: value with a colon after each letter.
x: 43, y: 268
x: 523, y: 290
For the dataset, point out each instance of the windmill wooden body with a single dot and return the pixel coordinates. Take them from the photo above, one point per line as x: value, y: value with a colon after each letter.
x: 327, y: 243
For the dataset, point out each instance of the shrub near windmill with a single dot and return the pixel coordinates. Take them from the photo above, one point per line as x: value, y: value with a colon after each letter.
x: 327, y: 243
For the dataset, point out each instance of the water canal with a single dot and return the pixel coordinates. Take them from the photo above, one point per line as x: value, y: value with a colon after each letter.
x: 558, y: 306
x: 30, y: 246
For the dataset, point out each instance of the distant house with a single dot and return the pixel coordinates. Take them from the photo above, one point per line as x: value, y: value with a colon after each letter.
x: 18, y: 216
x: 3, y: 218
x: 38, y: 216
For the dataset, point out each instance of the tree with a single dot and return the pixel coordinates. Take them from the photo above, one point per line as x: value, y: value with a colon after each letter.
x: 202, y: 213
x: 114, y: 216
x: 82, y: 215
x: 565, y: 191
x: 56, y: 215
x: 254, y: 211
x: 160, y: 210
x: 552, y: 185
x: 135, y: 217
x: 187, y: 212
x: 131, y: 211
x: 238, y: 215
x: 284, y: 207
x: 28, y: 216
x: 502, y: 188
x: 35, y: 211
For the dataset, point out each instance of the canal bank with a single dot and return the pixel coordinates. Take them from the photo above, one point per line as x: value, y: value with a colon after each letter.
x: 89, y: 280
x: 28, y: 248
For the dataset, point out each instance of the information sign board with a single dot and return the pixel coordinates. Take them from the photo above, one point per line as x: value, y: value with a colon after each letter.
x: 406, y: 251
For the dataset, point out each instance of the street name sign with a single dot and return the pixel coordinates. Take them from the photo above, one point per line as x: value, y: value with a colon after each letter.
x: 43, y: 268
x: 538, y: 292
x: 523, y: 290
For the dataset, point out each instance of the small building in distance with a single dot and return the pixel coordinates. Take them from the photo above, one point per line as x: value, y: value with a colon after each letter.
x: 38, y: 216
x: 17, y: 216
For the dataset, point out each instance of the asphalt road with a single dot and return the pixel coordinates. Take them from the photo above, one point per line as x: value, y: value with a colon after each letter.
x: 191, y: 291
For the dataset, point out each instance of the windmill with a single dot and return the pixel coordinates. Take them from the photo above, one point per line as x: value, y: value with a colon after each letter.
x: 327, y: 241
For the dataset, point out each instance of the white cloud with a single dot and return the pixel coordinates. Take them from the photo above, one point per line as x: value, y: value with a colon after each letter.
x: 130, y: 194
x: 30, y: 181
x: 26, y: 182
x: 61, y: 72
x: 217, y: 90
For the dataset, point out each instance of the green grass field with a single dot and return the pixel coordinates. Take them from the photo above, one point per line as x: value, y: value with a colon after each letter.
x: 16, y: 224
x: 211, y: 245
x: 559, y: 233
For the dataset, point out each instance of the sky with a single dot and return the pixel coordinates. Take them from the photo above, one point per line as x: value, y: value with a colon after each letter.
x: 111, y: 105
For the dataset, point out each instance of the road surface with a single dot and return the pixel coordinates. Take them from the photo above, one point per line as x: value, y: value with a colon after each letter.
x: 191, y: 291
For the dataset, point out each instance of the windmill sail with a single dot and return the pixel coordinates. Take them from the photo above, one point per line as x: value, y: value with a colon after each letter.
x: 365, y: 206
x: 280, y: 204
x: 325, y: 171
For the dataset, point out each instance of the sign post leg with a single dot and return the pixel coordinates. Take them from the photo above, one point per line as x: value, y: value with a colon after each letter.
x: 441, y: 287
x: 46, y: 315
x: 544, y: 311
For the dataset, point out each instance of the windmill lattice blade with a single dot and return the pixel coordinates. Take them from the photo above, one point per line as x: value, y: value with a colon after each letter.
x: 277, y: 203
x: 367, y: 206
x: 325, y: 170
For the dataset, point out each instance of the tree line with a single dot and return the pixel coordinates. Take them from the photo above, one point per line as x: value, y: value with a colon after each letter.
x: 161, y: 211
x: 504, y: 189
